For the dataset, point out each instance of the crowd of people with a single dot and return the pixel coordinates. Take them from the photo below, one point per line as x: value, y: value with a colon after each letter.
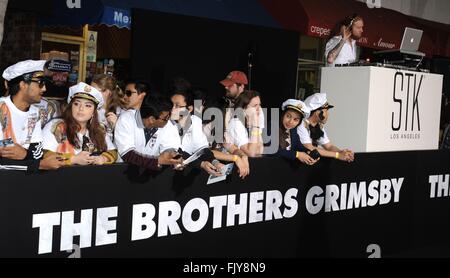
x: 100, y: 123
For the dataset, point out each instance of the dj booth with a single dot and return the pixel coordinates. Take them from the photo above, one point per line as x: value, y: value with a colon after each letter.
x: 383, y: 108
x: 390, y: 204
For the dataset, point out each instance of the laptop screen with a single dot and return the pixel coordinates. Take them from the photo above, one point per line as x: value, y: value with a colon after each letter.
x: 411, y: 39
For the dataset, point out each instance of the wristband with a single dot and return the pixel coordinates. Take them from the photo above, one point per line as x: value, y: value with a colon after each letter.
x: 235, y: 158
x: 337, y: 155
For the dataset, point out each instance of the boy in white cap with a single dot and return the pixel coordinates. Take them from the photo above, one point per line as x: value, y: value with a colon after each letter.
x: 20, y: 126
x: 312, y: 132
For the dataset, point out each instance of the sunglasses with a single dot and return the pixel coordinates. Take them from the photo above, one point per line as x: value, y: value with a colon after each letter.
x: 41, y: 82
x: 128, y: 93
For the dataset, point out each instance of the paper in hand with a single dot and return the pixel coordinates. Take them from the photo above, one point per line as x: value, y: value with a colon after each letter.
x: 226, y: 170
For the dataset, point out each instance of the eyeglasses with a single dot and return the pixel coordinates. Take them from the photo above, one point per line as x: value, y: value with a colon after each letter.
x: 41, y: 82
x: 128, y: 93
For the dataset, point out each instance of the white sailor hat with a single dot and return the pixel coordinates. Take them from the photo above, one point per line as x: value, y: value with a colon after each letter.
x: 23, y: 67
x: 83, y: 90
x: 296, y: 105
x: 317, y: 101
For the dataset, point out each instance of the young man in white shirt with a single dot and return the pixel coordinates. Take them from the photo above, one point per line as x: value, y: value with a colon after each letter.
x: 341, y: 49
x: 312, y: 131
x: 146, y: 137
x: 20, y: 124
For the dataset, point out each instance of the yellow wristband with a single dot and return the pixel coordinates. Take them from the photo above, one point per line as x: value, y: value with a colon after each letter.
x: 235, y: 158
x: 256, y: 133
x: 337, y: 155
x: 297, y: 154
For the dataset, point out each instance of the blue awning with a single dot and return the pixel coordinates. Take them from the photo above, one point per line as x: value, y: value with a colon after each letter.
x: 118, y: 13
x: 108, y: 12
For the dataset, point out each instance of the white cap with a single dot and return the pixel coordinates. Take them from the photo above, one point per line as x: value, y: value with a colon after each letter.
x: 316, y: 101
x: 83, y: 90
x: 297, y: 105
x: 22, y: 68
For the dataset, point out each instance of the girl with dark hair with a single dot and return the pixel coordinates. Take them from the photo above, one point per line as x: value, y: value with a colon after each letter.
x: 293, y: 112
x: 79, y: 137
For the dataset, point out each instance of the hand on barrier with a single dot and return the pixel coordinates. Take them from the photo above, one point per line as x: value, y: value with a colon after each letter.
x: 52, y: 162
x: 83, y: 158
x: 171, y: 158
x: 15, y: 152
x: 210, y: 169
x: 243, y: 167
x: 306, y: 159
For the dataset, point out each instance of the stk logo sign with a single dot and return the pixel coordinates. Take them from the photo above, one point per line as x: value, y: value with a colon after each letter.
x: 406, y: 95
x: 71, y: 4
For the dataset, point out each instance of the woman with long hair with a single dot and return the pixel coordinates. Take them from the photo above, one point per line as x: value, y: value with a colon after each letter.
x: 293, y: 112
x: 79, y: 137
x: 112, y: 101
x: 243, y: 131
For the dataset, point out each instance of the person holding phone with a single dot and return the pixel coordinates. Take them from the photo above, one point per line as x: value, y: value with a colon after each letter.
x: 341, y: 47
x: 293, y: 112
x: 190, y: 130
x: 78, y: 137
x: 145, y: 137
x: 312, y: 131
x: 20, y: 126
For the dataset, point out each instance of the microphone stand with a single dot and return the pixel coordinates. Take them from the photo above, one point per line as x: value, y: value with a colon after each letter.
x: 249, y: 70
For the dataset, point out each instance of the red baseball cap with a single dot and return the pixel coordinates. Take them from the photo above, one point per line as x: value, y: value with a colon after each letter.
x: 235, y: 77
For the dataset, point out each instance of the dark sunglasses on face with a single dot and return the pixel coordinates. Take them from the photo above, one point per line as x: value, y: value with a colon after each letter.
x: 41, y: 82
x: 128, y: 93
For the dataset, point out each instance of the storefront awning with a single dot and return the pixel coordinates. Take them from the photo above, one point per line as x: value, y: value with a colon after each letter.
x: 118, y: 13
x: 383, y: 28
x: 107, y: 12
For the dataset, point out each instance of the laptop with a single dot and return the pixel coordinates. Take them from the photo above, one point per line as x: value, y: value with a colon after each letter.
x: 409, y: 45
x: 411, y: 40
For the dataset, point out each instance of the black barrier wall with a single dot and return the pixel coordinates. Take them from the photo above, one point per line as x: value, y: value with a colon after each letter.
x: 382, y: 205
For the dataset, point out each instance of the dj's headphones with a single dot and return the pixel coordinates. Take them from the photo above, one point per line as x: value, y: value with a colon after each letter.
x: 350, y: 21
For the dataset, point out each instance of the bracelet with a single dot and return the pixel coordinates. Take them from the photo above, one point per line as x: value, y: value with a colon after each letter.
x: 297, y: 154
x: 235, y: 158
x: 256, y: 133
x: 337, y: 155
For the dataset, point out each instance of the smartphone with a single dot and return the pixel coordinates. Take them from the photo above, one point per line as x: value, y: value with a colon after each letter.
x: 177, y: 156
x: 6, y: 142
x: 314, y: 154
x: 96, y: 154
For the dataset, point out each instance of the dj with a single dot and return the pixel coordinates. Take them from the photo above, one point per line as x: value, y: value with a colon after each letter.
x: 341, y: 48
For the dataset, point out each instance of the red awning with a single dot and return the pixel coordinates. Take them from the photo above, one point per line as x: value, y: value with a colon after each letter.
x: 383, y: 28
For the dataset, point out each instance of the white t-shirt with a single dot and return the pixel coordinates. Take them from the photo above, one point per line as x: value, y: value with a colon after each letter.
x: 305, y: 134
x: 129, y: 137
x: 24, y: 127
x: 347, y: 54
x: 236, y: 133
x: 51, y: 143
x: 194, y: 138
